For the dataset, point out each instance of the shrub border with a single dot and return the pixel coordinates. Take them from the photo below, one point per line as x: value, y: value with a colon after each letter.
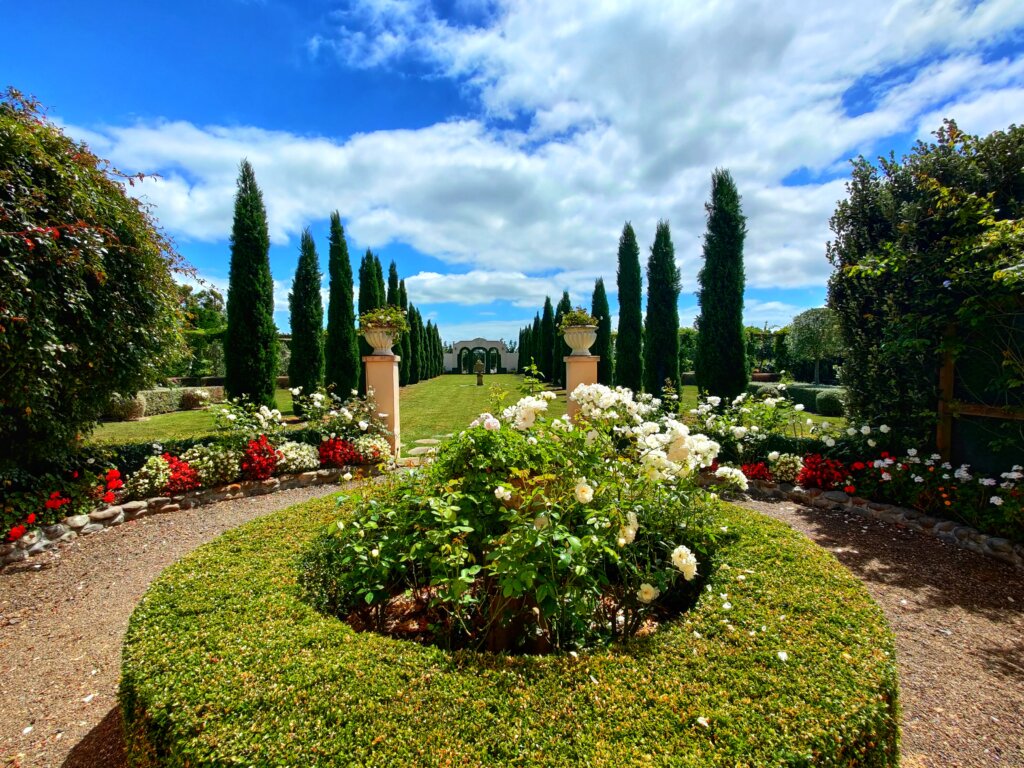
x: 224, y: 665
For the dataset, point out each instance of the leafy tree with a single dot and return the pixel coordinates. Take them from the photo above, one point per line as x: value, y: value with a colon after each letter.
x: 559, y: 349
x: 603, y: 346
x: 687, y: 349
x: 202, y: 310
x: 405, y: 345
x: 815, y: 335
x: 342, y: 366
x: 721, y: 363
x: 88, y: 307
x: 250, y: 344
x: 547, y: 339
x: 924, y: 253
x: 629, y: 340
x: 661, y: 342
x: 306, y: 366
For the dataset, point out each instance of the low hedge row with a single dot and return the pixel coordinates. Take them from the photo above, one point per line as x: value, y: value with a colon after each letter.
x: 823, y: 400
x: 224, y: 665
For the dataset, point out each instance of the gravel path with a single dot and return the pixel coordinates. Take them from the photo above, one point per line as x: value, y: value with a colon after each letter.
x: 958, y: 618
x: 63, y: 617
x: 959, y: 624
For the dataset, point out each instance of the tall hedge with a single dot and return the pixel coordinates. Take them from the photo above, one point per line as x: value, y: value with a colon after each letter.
x: 547, y: 339
x: 661, y: 341
x: 603, y: 346
x: 342, y: 366
x: 721, y: 356
x: 250, y: 344
x: 405, y: 346
x: 927, y: 259
x: 87, y: 302
x: 629, y: 343
x: 306, y: 365
x: 559, y: 349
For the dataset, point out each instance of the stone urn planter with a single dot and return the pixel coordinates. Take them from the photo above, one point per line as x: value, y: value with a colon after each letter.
x: 580, y: 338
x: 381, y: 339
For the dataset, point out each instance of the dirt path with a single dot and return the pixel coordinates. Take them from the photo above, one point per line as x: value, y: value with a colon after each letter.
x: 958, y: 618
x: 62, y: 620
x: 959, y: 624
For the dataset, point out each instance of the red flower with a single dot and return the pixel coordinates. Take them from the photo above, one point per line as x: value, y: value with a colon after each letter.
x: 55, y: 501
x: 74, y: 475
x: 335, y: 452
x: 31, y: 518
x: 183, y: 476
x: 260, y: 459
x: 857, y: 465
x: 16, y: 533
x: 758, y: 471
x: 108, y: 497
x: 819, y: 472
x: 850, y: 489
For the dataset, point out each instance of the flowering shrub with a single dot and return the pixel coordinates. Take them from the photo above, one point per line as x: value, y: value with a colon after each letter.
x: 150, y: 480
x: 331, y: 416
x: 528, y: 534
x: 335, y: 452
x: 297, y: 457
x: 183, y: 476
x: 818, y: 472
x: 758, y: 471
x: 731, y: 479
x: 260, y: 459
x: 240, y: 422
x: 374, y: 449
x: 214, y: 464
x: 785, y: 466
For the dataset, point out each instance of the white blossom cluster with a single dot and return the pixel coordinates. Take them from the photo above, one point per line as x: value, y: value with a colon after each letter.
x: 214, y: 464
x: 373, y: 447
x: 600, y: 403
x: 523, y: 414
x: 669, y: 450
x: 298, y: 457
x: 732, y: 478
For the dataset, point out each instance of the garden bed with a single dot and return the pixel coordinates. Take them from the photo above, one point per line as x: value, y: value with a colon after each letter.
x: 224, y: 665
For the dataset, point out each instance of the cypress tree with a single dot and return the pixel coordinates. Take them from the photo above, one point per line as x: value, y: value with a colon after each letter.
x: 424, y: 351
x: 406, y: 344
x: 535, y: 336
x: 392, y: 294
x: 720, y: 360
x: 378, y: 276
x: 629, y: 344
x: 432, y: 350
x: 559, y: 349
x: 603, y: 345
x: 371, y: 296
x: 250, y: 343
x: 661, y: 343
x: 306, y: 365
x: 341, y: 354
x: 415, y: 343
x: 547, y: 339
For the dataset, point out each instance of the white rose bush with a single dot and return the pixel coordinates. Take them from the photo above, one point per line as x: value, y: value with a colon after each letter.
x: 528, y: 534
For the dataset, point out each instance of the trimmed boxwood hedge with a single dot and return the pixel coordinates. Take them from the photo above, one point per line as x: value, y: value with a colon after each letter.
x: 224, y: 665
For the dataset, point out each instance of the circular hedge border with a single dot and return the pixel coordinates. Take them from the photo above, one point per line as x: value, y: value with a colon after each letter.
x: 224, y: 665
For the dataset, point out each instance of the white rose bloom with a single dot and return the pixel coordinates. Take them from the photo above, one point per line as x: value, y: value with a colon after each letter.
x: 997, y: 500
x: 773, y: 456
x: 872, y: 443
x: 851, y: 431
x: 798, y: 407
x: 685, y: 562
x: 865, y: 430
x: 296, y: 391
x: 739, y: 432
x: 584, y: 493
x: 363, y: 426
x: 647, y: 593
x: 911, y: 451
x: 502, y: 493
x: 829, y: 442
x: 884, y: 429
x: 347, y: 476
x: 492, y: 424
x: 715, y: 401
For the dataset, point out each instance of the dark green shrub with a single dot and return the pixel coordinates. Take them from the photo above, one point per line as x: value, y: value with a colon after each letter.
x: 223, y: 632
x: 87, y: 303
x: 122, y: 408
x: 829, y: 403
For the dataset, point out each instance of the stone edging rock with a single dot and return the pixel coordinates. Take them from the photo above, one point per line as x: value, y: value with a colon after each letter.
x: 49, y: 536
x: 947, y: 530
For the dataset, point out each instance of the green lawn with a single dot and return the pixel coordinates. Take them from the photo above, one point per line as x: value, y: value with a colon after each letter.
x: 448, y: 403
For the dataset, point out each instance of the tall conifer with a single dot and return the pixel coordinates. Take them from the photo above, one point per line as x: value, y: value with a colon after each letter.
x: 547, y: 340
x: 371, y: 296
x: 603, y: 346
x: 720, y: 361
x: 250, y: 343
x: 306, y: 365
x: 416, y: 345
x: 559, y: 349
x: 341, y: 353
x: 661, y: 331
x: 392, y: 294
x: 629, y: 343
x: 406, y: 344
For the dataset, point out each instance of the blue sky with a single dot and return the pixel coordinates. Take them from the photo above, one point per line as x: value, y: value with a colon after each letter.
x: 494, y: 149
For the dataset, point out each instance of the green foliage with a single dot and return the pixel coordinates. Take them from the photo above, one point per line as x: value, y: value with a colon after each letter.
x: 293, y: 687
x: 603, y: 345
x: 88, y: 307
x: 386, y: 316
x: 829, y: 403
x: 371, y: 296
x: 813, y: 335
x: 406, y: 344
x: 392, y: 297
x: 919, y: 244
x: 629, y: 339
x: 250, y: 344
x: 574, y: 317
x: 661, y: 329
x: 559, y: 349
x: 125, y: 408
x: 341, y: 351
x: 687, y: 349
x: 720, y: 363
x: 306, y: 367
x: 547, y: 339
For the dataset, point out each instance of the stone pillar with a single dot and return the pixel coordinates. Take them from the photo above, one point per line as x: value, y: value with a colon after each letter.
x: 579, y: 369
x: 382, y: 378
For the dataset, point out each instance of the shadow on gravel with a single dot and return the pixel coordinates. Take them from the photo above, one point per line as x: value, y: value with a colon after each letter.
x: 940, y: 575
x: 102, y: 746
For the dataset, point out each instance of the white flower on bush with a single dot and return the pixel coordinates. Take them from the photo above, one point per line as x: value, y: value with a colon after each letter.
x: 685, y: 562
x: 884, y: 429
x: 829, y: 442
x: 647, y: 593
x: 373, y: 448
x: 786, y: 467
x: 524, y: 413
x: 298, y: 457
x: 214, y: 464
x: 773, y: 456
x: 714, y: 400
x: 627, y: 533
x: 851, y: 431
x: 798, y: 407
x: 501, y: 493
x: 865, y: 430
x: 738, y: 432
x: 733, y: 478
x: 295, y: 391
x: 583, y: 491
x: 997, y: 500
x: 600, y: 403
x: 149, y: 480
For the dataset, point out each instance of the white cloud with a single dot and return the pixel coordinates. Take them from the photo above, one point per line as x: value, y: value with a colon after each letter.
x: 629, y: 106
